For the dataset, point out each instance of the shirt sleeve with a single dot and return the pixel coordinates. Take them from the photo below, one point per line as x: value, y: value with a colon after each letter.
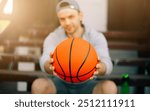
x: 101, y: 46
x: 48, y: 46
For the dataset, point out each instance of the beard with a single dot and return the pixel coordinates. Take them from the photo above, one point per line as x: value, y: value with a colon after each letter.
x: 70, y: 30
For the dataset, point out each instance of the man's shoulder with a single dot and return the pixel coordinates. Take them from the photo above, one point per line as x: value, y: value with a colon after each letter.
x: 58, y: 30
x: 93, y: 31
x: 57, y: 35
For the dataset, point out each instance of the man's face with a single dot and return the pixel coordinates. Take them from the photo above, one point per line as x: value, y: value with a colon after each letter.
x: 70, y: 20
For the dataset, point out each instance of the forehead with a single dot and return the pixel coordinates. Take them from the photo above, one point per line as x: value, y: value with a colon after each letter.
x: 67, y: 12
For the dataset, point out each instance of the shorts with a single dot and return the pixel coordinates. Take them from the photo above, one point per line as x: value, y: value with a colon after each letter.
x: 73, y: 88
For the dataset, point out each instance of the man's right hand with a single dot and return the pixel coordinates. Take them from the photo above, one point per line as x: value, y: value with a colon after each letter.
x: 51, y: 67
x: 48, y: 65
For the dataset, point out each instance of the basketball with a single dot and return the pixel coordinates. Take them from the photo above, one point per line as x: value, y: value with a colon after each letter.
x: 75, y: 60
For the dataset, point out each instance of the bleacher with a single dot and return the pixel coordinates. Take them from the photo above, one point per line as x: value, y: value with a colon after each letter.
x: 127, y: 49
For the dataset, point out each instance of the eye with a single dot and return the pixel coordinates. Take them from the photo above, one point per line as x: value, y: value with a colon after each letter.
x: 71, y: 17
x: 62, y: 19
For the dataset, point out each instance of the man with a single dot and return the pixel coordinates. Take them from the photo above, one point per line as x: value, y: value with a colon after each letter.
x: 70, y: 18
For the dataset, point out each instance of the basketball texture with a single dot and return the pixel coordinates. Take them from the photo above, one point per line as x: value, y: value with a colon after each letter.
x: 75, y: 60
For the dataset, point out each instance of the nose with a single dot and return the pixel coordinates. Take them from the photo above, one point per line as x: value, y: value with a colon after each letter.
x: 67, y: 22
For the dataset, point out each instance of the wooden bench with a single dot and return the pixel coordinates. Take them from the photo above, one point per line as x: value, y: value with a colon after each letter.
x: 29, y: 76
x: 129, y: 40
x: 10, y: 61
x: 132, y: 62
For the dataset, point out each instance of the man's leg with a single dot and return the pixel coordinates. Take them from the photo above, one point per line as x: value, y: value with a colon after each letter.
x: 105, y: 87
x: 43, y: 86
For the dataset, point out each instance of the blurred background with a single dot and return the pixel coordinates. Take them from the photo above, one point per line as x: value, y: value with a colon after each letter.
x: 24, y: 24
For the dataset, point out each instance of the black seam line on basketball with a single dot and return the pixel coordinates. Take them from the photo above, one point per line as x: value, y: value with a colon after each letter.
x: 76, y: 76
x: 70, y: 59
x: 60, y: 65
x: 83, y: 61
x: 89, y: 71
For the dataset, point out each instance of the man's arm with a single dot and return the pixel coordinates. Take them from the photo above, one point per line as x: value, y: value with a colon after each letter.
x: 104, y: 67
x: 48, y: 47
x: 49, y: 68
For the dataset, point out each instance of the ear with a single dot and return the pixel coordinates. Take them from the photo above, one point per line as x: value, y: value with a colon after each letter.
x: 81, y: 15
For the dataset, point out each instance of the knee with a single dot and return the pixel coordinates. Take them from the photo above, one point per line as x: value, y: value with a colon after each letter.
x: 43, y: 86
x: 106, y: 87
x: 109, y: 87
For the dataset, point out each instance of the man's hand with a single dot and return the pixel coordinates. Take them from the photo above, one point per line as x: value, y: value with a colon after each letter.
x: 48, y: 65
x: 51, y: 67
x: 100, y: 69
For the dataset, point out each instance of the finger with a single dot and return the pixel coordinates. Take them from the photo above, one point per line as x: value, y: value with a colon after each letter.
x: 51, y: 54
x: 51, y: 60
x: 91, y: 77
x: 98, y: 66
x: 54, y: 73
x: 51, y: 68
x: 96, y: 72
x: 98, y: 59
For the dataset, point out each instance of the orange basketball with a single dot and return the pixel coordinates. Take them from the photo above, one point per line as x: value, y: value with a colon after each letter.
x: 75, y: 60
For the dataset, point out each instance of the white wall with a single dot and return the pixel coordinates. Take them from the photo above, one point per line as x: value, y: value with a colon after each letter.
x: 95, y: 13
